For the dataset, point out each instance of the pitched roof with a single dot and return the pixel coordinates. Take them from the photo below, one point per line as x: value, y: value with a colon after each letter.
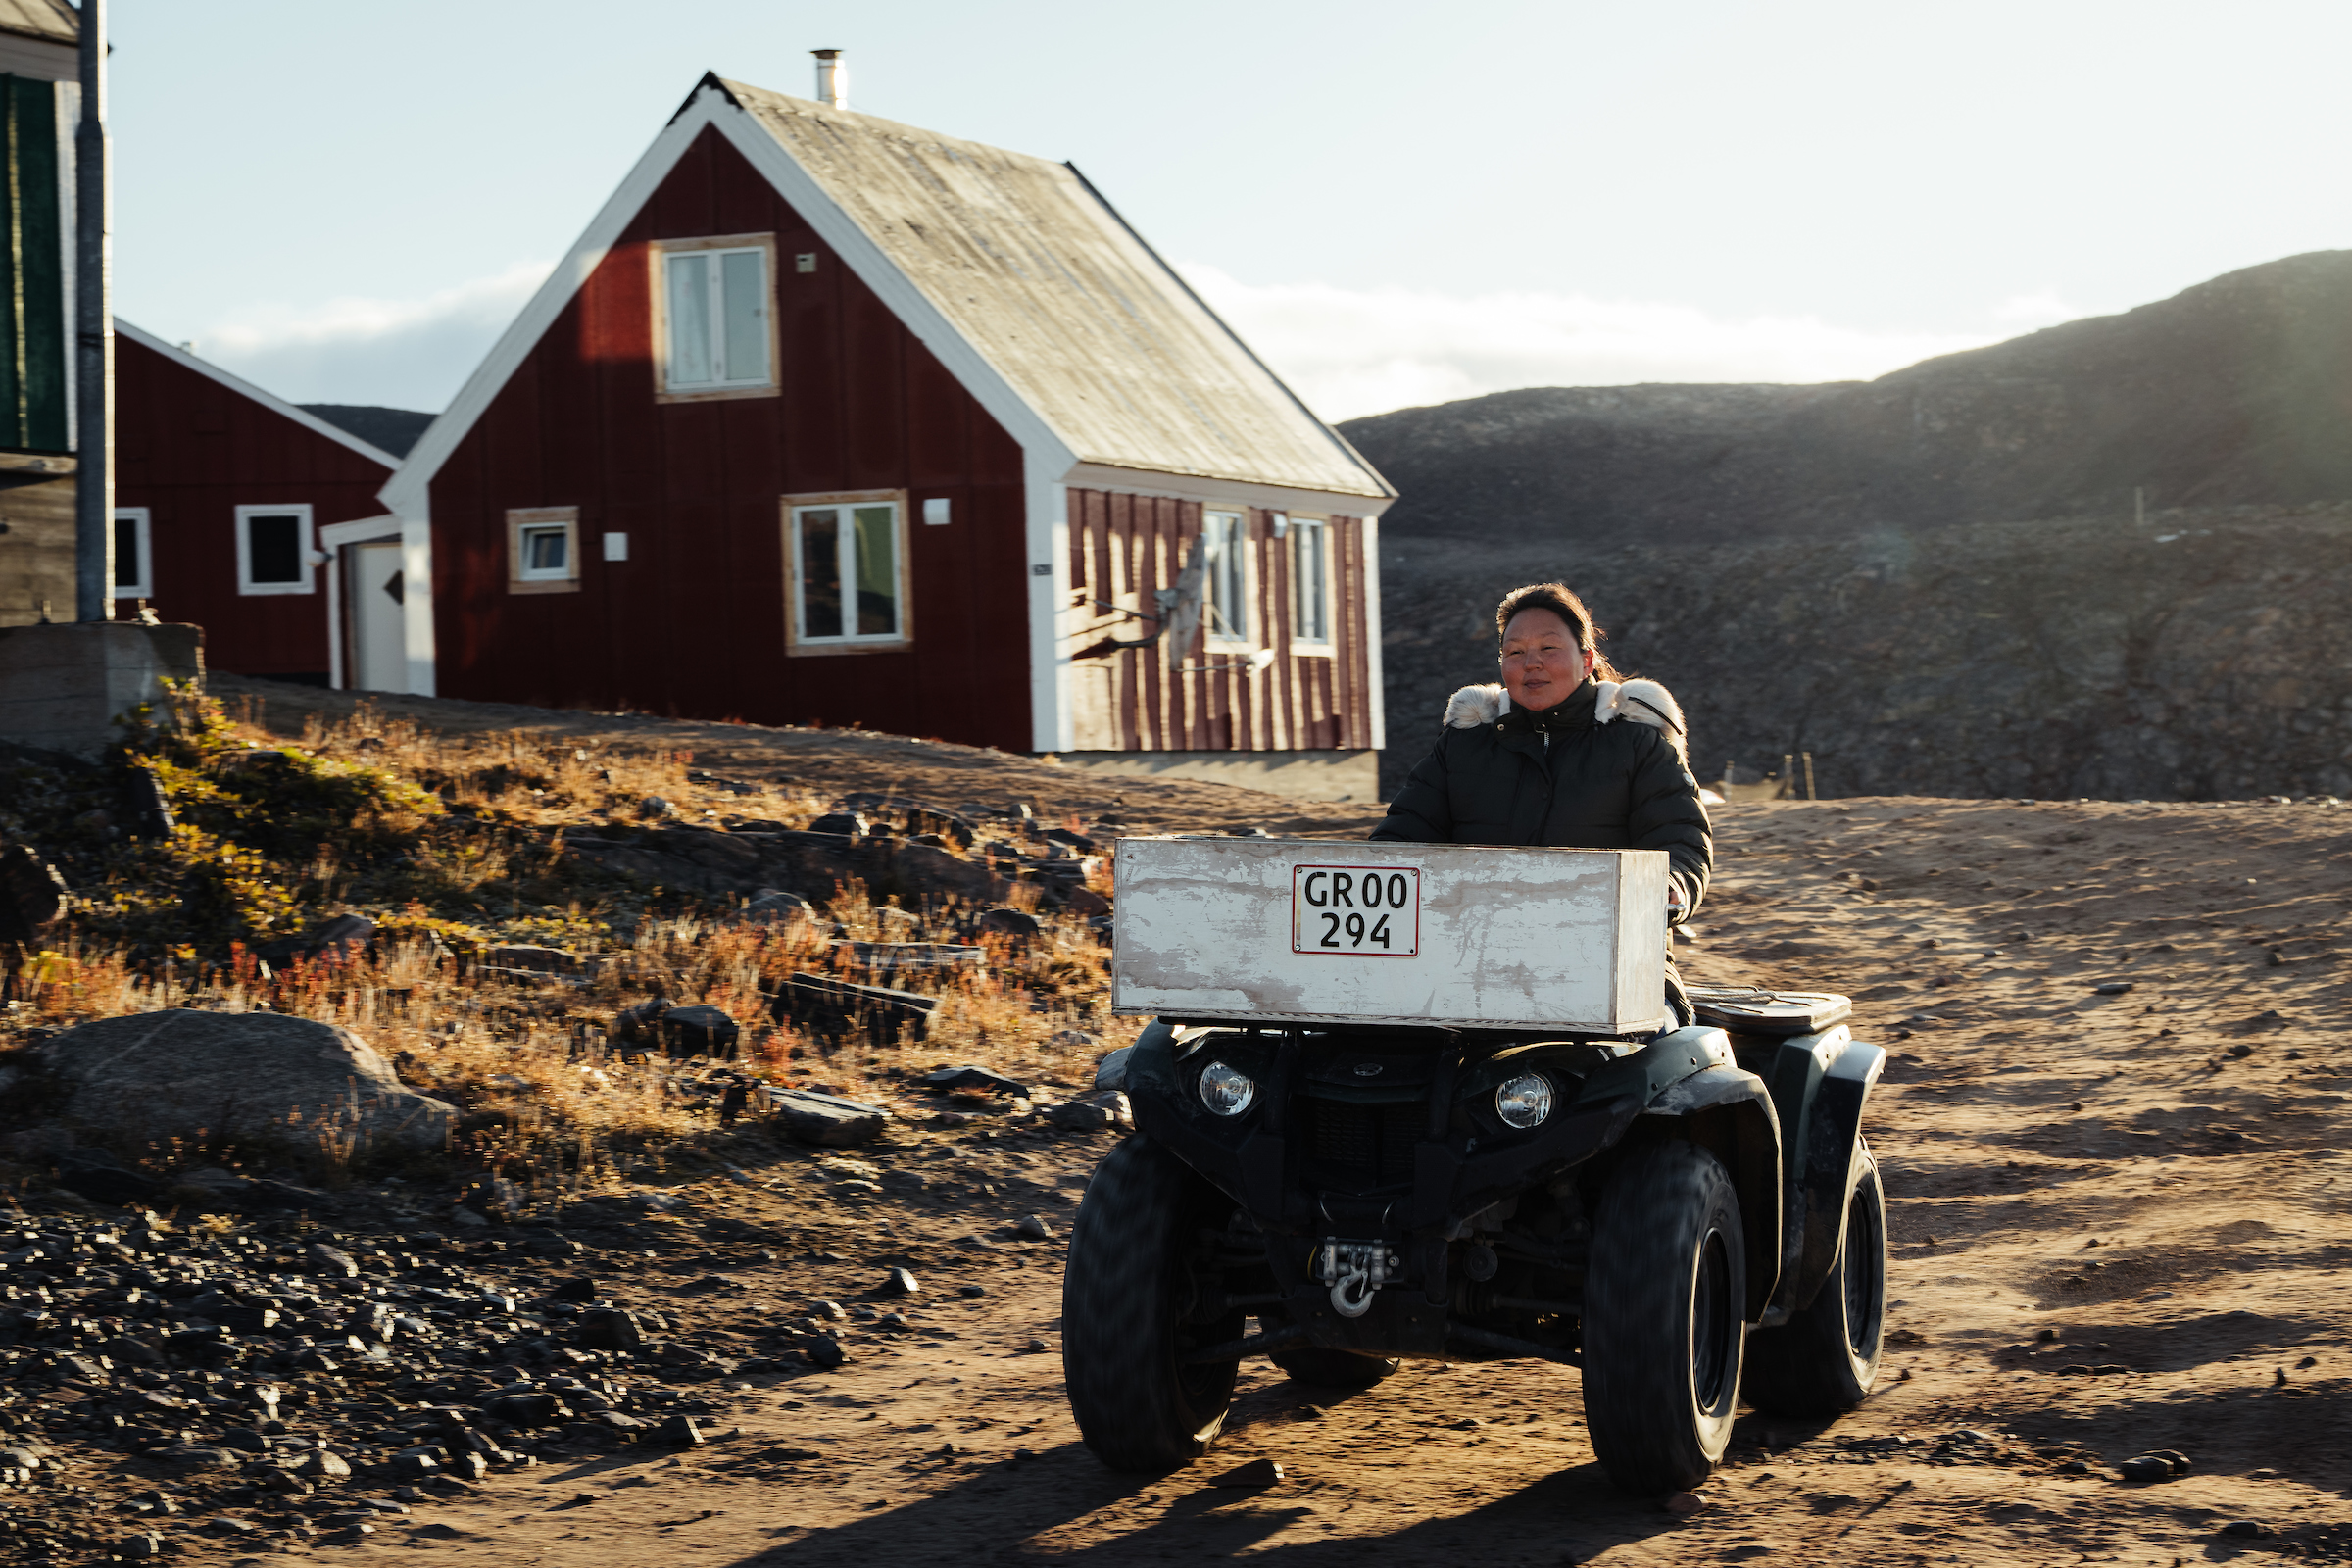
x: 1094, y: 330
x: 52, y: 20
x: 244, y: 389
x: 1035, y: 294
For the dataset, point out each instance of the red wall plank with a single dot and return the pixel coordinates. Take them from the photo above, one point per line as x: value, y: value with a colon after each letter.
x: 192, y: 451
x: 693, y: 622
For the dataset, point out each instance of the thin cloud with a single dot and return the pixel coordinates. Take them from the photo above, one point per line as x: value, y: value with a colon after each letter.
x: 1351, y: 351
x: 410, y: 353
x: 1348, y: 352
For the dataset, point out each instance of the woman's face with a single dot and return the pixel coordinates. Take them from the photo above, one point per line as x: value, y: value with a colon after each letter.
x: 1542, y: 662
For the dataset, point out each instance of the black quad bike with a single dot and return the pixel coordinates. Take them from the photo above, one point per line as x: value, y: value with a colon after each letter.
x: 1688, y: 1220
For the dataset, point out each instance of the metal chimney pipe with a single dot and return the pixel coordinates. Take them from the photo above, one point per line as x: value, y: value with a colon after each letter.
x: 832, y: 78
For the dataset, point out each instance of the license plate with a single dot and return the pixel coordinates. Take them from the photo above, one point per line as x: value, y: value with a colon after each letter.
x: 1369, y: 912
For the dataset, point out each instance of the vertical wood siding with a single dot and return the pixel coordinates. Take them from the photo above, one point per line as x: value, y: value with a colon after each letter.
x: 192, y: 451
x: 1123, y: 549
x: 693, y: 622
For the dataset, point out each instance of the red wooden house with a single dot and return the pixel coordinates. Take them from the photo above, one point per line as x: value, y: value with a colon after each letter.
x: 241, y: 512
x: 831, y: 419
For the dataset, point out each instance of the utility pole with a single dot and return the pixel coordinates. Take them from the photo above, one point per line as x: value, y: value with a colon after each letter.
x: 93, y: 336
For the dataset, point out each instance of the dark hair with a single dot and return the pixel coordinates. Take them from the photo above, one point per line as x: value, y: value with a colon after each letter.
x: 1561, y: 601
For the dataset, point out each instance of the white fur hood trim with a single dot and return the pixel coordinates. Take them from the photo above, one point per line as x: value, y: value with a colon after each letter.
x: 1644, y: 701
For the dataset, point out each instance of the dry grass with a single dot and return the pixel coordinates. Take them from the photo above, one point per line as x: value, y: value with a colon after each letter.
x: 549, y: 1100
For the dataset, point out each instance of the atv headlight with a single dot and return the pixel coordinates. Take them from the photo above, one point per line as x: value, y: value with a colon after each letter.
x: 1524, y: 1101
x: 1224, y: 1091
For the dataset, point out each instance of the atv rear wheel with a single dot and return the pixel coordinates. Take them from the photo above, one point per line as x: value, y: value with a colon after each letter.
x: 1128, y: 1296
x: 1322, y: 1368
x: 1665, y: 1298
x: 1823, y: 1359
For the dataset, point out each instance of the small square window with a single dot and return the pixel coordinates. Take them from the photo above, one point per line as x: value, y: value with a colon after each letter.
x: 716, y: 325
x: 543, y: 550
x: 134, y: 566
x: 546, y: 553
x: 273, y: 550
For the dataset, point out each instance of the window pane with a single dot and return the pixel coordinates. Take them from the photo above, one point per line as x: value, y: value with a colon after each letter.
x: 745, y: 315
x: 543, y: 550
x: 1228, y: 607
x: 877, y: 571
x: 130, y: 569
x: 820, y: 572
x: 1311, y: 614
x: 274, y: 549
x: 689, y: 320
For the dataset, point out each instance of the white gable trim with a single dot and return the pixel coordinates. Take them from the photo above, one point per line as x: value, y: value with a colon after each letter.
x: 1046, y: 449
x: 405, y: 494
x: 246, y: 389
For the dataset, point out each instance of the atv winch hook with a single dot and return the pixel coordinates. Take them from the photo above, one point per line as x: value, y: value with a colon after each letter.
x: 1355, y: 1271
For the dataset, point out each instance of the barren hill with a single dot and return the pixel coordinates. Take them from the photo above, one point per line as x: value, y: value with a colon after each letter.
x: 2237, y: 391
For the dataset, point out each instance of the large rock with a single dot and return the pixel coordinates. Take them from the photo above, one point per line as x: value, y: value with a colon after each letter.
x: 243, y: 1074
x: 826, y: 1120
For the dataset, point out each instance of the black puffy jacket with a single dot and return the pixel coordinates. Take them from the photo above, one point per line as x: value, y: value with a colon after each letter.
x: 1559, y: 780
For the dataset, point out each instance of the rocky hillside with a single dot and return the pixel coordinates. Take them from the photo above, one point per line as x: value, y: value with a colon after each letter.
x: 2207, y: 656
x: 2234, y: 392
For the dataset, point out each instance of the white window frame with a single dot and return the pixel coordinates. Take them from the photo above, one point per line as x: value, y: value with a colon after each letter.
x: 798, y: 642
x: 1296, y: 530
x: 716, y: 248
x: 143, y: 529
x: 523, y: 521
x: 309, y: 582
x: 1223, y: 631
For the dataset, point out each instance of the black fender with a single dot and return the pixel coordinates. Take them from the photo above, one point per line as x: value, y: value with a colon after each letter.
x: 1820, y: 1084
x: 1729, y: 1112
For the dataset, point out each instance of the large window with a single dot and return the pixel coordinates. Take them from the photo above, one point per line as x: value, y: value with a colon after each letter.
x: 1311, y: 584
x: 134, y: 566
x: 717, y: 333
x: 273, y: 550
x: 847, y: 557
x: 1225, y: 596
x: 543, y: 550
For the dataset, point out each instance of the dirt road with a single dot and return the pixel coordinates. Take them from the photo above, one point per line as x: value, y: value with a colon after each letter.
x: 2116, y: 1220
x: 2111, y: 1139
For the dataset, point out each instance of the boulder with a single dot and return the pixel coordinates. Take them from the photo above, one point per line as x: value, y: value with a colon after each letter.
x: 185, y: 1074
x: 971, y: 1078
x: 1007, y: 922
x: 826, y: 1120
x: 31, y: 894
x: 344, y: 937
x: 1091, y: 1111
x: 700, y: 1030
x: 775, y: 906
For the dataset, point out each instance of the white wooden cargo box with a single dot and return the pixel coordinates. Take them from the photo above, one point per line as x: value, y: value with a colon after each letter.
x: 1314, y: 931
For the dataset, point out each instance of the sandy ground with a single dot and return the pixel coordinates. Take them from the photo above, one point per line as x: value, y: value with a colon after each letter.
x: 2079, y: 1180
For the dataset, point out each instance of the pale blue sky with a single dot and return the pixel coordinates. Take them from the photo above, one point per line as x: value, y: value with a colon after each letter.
x: 1398, y: 201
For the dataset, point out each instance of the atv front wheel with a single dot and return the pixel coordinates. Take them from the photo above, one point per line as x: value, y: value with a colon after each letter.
x: 1128, y: 1296
x: 1665, y: 1297
x: 1823, y: 1359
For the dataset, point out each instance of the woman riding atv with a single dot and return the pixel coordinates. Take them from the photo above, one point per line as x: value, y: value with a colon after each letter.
x: 1565, y: 754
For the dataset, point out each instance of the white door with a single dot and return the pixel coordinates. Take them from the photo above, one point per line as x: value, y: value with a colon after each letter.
x: 380, y: 641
